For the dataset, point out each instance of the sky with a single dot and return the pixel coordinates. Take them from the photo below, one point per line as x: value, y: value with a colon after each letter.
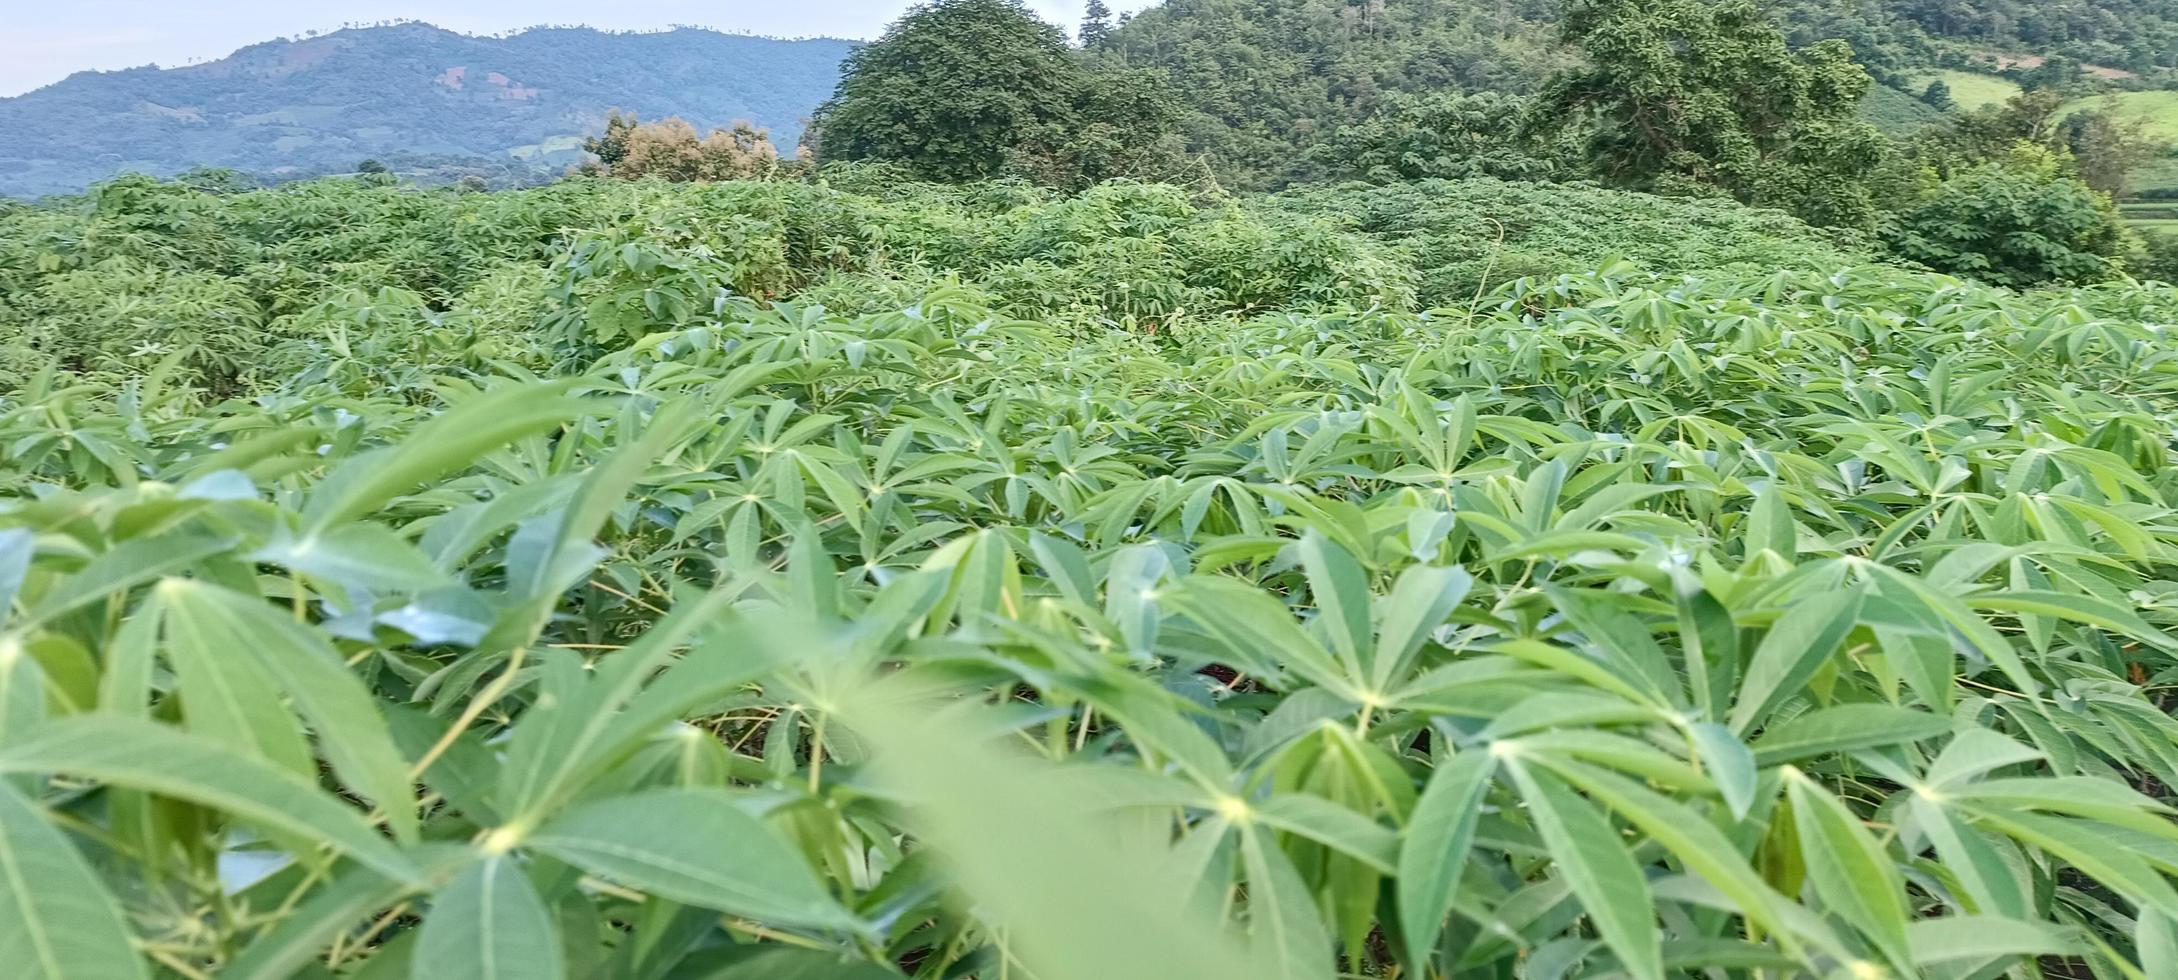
x: 45, y: 41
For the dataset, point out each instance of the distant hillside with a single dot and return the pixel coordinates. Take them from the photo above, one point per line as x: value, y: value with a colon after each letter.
x: 403, y: 91
x: 1263, y: 80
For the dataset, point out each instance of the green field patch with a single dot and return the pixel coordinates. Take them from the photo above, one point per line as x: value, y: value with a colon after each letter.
x: 557, y: 144
x: 2162, y: 175
x: 2156, y: 111
x: 1970, y: 89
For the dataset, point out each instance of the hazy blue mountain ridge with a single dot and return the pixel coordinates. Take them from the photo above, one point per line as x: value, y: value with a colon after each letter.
x: 403, y: 91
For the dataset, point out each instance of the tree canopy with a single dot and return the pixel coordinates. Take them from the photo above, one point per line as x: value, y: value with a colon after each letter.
x: 1686, y: 95
x: 2019, y: 221
x: 967, y: 89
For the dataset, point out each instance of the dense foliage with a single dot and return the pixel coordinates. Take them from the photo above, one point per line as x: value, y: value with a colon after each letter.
x: 410, y: 93
x: 2158, y: 259
x: 2136, y: 35
x: 1262, y: 81
x: 1415, y: 137
x: 1690, y: 95
x: 2015, y: 222
x: 498, y: 585
x: 971, y: 89
x: 1465, y: 238
x: 250, y: 284
x: 1265, y: 81
x: 264, y: 283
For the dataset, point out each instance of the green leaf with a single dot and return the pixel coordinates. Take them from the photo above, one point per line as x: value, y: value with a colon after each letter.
x: 1258, y: 632
x: 2074, y: 608
x: 1853, y: 873
x: 1624, y: 640
x: 158, y: 759
x: 1845, y: 728
x: 560, y: 744
x: 814, y: 580
x: 1975, y: 940
x: 1728, y: 763
x: 1066, y: 566
x: 1796, y: 647
x: 17, y: 546
x: 125, y: 566
x: 451, y: 441
x: 1948, y: 611
x: 22, y: 689
x: 214, y: 624
x: 362, y: 556
x: 1130, y: 595
x: 1991, y: 884
x: 693, y: 846
x: 1282, y: 916
x: 1081, y: 893
x: 225, y: 696
x: 1692, y: 839
x: 1590, y: 857
x: 57, y: 920
x: 489, y: 924
x: 1440, y: 834
x: 1770, y: 526
x: 774, y: 962
x: 1340, y: 588
x: 566, y: 535
x: 291, y: 943
x: 1418, y: 604
x: 2155, y: 935
x: 1333, y: 826
x: 2106, y: 800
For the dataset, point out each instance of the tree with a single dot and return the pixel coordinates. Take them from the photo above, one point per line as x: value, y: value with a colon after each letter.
x: 1989, y: 133
x: 2057, y: 72
x: 1685, y: 96
x: 1938, y: 96
x: 1263, y: 82
x: 2106, y: 149
x: 2016, y: 222
x: 1096, y: 23
x: 2095, y: 145
x: 1123, y: 127
x: 969, y: 89
x: 370, y: 167
x: 612, y: 147
x: 671, y: 150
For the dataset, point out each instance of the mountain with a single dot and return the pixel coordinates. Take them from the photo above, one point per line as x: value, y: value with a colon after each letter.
x: 407, y: 91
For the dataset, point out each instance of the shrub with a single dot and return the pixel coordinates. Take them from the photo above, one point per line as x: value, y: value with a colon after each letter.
x: 2016, y: 223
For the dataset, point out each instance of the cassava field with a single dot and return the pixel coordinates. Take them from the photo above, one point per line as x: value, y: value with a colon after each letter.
x: 840, y: 579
